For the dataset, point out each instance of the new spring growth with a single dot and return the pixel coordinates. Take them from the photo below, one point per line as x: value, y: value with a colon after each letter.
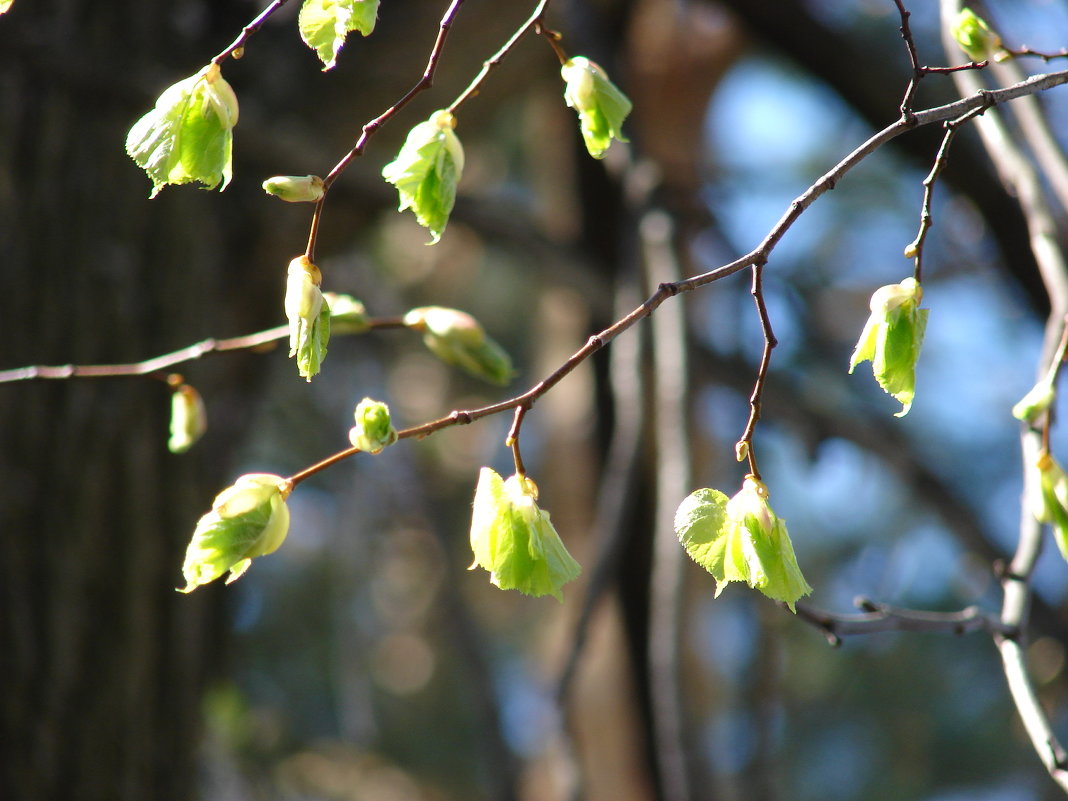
x: 741, y: 539
x: 977, y: 39
x: 600, y: 105
x: 189, y: 420
x: 295, y: 188
x: 427, y: 170
x: 309, y: 316
x: 1050, y: 504
x: 457, y: 338
x: 188, y: 136
x: 347, y: 315
x: 246, y: 520
x: 373, y: 430
x: 515, y: 541
x: 892, y: 338
x: 324, y: 24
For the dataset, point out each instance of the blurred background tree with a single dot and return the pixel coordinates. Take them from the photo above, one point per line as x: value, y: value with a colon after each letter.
x: 362, y: 661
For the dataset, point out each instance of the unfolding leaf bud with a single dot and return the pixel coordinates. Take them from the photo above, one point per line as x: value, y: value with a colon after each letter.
x: 189, y: 420
x: 347, y: 315
x: 457, y: 338
x: 514, y: 539
x: 975, y: 37
x: 892, y: 338
x: 309, y: 316
x: 600, y: 104
x: 1037, y: 400
x: 373, y: 430
x: 246, y: 520
x: 295, y: 188
x: 1050, y: 503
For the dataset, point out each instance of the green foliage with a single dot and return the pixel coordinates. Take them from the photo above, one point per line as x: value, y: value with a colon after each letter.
x: 5, y: 6
x: 741, y: 539
x: 427, y: 170
x: 347, y: 315
x: 515, y: 541
x: 600, y: 104
x: 1037, y: 400
x: 457, y: 338
x: 374, y: 429
x: 246, y: 520
x: 295, y: 188
x: 309, y: 317
x: 189, y: 420
x: 892, y: 338
x: 974, y: 36
x: 324, y: 25
x: 188, y: 136
x: 1051, y: 505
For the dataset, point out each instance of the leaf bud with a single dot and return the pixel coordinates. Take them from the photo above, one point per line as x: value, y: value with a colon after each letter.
x: 189, y: 420
x: 295, y: 188
x: 975, y: 36
x: 373, y: 430
x: 458, y: 339
x: 600, y: 104
x: 248, y: 519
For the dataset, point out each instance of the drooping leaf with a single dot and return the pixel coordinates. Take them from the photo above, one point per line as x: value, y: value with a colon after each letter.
x: 188, y: 136
x: 248, y: 519
x: 427, y: 170
x: 892, y: 339
x: 309, y: 316
x: 325, y: 24
x: 741, y: 539
x: 515, y: 540
x: 600, y: 104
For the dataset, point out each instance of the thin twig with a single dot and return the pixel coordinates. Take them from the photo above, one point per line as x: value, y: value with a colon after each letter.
x: 493, y: 61
x: 876, y: 618
x: 1027, y: 51
x: 247, y: 32
x: 915, y: 248
x: 259, y: 340
x: 745, y: 444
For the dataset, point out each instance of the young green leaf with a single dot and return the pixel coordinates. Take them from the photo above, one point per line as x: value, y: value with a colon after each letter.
x: 5, y: 6
x: 457, y: 338
x: 427, y: 170
x: 324, y: 24
x: 373, y: 430
x: 600, y: 105
x: 309, y: 316
x: 189, y: 420
x: 892, y: 338
x: 515, y: 541
x: 246, y: 520
x: 347, y: 315
x: 188, y: 136
x: 741, y: 539
x: 974, y: 36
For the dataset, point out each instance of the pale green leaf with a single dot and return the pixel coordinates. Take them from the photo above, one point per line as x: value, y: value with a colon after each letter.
x: 600, y: 104
x: 311, y: 344
x: 427, y: 170
x: 5, y: 6
x: 457, y: 338
x: 188, y: 136
x: 701, y: 526
x: 374, y: 429
x: 325, y: 24
x: 515, y: 540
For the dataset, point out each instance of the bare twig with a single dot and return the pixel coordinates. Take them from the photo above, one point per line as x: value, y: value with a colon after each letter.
x: 237, y: 47
x: 745, y: 444
x: 262, y: 340
x: 875, y: 618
